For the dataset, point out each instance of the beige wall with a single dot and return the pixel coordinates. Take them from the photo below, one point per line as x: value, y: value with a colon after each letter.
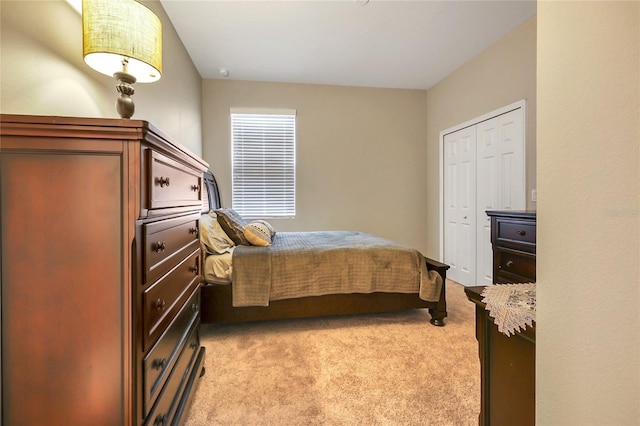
x: 588, y: 344
x: 43, y: 72
x: 499, y: 76
x: 360, y: 154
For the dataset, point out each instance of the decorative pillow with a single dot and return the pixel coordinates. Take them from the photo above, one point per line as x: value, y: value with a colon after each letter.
x: 257, y: 233
x: 272, y: 231
x: 212, y: 237
x: 233, y: 224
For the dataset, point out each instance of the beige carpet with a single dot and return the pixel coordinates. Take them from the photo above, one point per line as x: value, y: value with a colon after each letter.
x: 381, y: 369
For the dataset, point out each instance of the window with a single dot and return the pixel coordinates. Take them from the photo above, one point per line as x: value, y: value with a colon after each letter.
x: 263, y: 162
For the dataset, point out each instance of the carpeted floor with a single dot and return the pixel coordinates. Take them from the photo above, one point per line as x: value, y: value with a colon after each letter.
x: 381, y: 369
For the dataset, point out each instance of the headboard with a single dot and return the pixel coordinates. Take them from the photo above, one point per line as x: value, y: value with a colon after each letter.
x: 211, y: 195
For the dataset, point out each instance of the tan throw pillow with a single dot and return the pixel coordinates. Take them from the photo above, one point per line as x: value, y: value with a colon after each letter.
x: 257, y: 233
x: 233, y: 225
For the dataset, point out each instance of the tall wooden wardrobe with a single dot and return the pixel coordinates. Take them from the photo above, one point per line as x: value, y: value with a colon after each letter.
x: 100, y: 272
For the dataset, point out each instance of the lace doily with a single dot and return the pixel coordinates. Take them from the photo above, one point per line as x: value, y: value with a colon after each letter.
x: 513, y: 306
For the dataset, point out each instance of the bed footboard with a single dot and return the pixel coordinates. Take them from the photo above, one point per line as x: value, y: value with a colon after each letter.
x: 217, y: 306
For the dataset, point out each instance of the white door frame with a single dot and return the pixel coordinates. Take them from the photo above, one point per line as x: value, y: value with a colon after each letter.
x: 519, y: 104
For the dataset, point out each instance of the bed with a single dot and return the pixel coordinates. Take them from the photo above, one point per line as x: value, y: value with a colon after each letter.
x: 314, y: 287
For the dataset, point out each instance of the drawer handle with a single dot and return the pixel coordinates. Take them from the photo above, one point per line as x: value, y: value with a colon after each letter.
x: 193, y: 345
x: 163, y: 181
x: 521, y: 233
x: 161, y: 420
x: 509, y: 263
x: 195, y: 188
x: 194, y: 269
x: 160, y: 304
x: 194, y: 307
x: 193, y: 231
x: 160, y: 246
x: 159, y: 363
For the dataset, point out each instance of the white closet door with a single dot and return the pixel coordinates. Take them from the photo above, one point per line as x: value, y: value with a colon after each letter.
x: 501, y: 180
x: 483, y: 169
x: 460, y: 204
x: 488, y: 195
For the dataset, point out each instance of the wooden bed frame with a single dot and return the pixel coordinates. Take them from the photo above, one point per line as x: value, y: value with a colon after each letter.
x: 216, y: 300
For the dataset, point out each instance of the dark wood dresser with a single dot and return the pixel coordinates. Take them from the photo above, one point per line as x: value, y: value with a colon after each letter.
x: 513, y: 238
x: 100, y: 272
x: 507, y: 370
x: 507, y: 364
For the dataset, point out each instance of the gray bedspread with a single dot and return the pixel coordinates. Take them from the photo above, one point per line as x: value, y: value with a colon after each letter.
x: 300, y: 264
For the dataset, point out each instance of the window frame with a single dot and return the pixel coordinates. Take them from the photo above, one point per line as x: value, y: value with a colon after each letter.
x: 263, y: 162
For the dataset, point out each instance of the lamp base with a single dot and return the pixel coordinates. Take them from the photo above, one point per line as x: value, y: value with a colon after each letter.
x: 124, y: 104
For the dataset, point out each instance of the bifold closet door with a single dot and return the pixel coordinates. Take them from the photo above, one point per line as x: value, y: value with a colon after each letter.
x: 501, y: 180
x: 484, y: 170
x: 460, y: 204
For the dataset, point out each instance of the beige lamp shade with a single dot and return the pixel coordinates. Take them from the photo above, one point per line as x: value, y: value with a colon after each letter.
x: 122, y: 33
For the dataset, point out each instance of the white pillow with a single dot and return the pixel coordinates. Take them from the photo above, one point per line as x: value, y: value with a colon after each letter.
x: 212, y: 236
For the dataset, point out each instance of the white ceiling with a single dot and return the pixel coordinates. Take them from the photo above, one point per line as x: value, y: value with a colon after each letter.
x: 379, y: 43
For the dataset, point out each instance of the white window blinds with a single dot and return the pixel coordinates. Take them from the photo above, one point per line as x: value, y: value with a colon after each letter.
x: 263, y: 162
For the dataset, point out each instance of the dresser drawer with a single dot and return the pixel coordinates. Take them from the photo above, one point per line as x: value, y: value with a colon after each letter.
x: 172, y: 184
x: 163, y: 300
x: 514, y: 267
x: 168, y: 240
x: 516, y: 231
x: 161, y: 359
x: 169, y: 399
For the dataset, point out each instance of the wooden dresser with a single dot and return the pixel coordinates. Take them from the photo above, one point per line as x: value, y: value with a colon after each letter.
x: 100, y: 272
x: 507, y: 370
x: 513, y: 238
x: 507, y: 364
